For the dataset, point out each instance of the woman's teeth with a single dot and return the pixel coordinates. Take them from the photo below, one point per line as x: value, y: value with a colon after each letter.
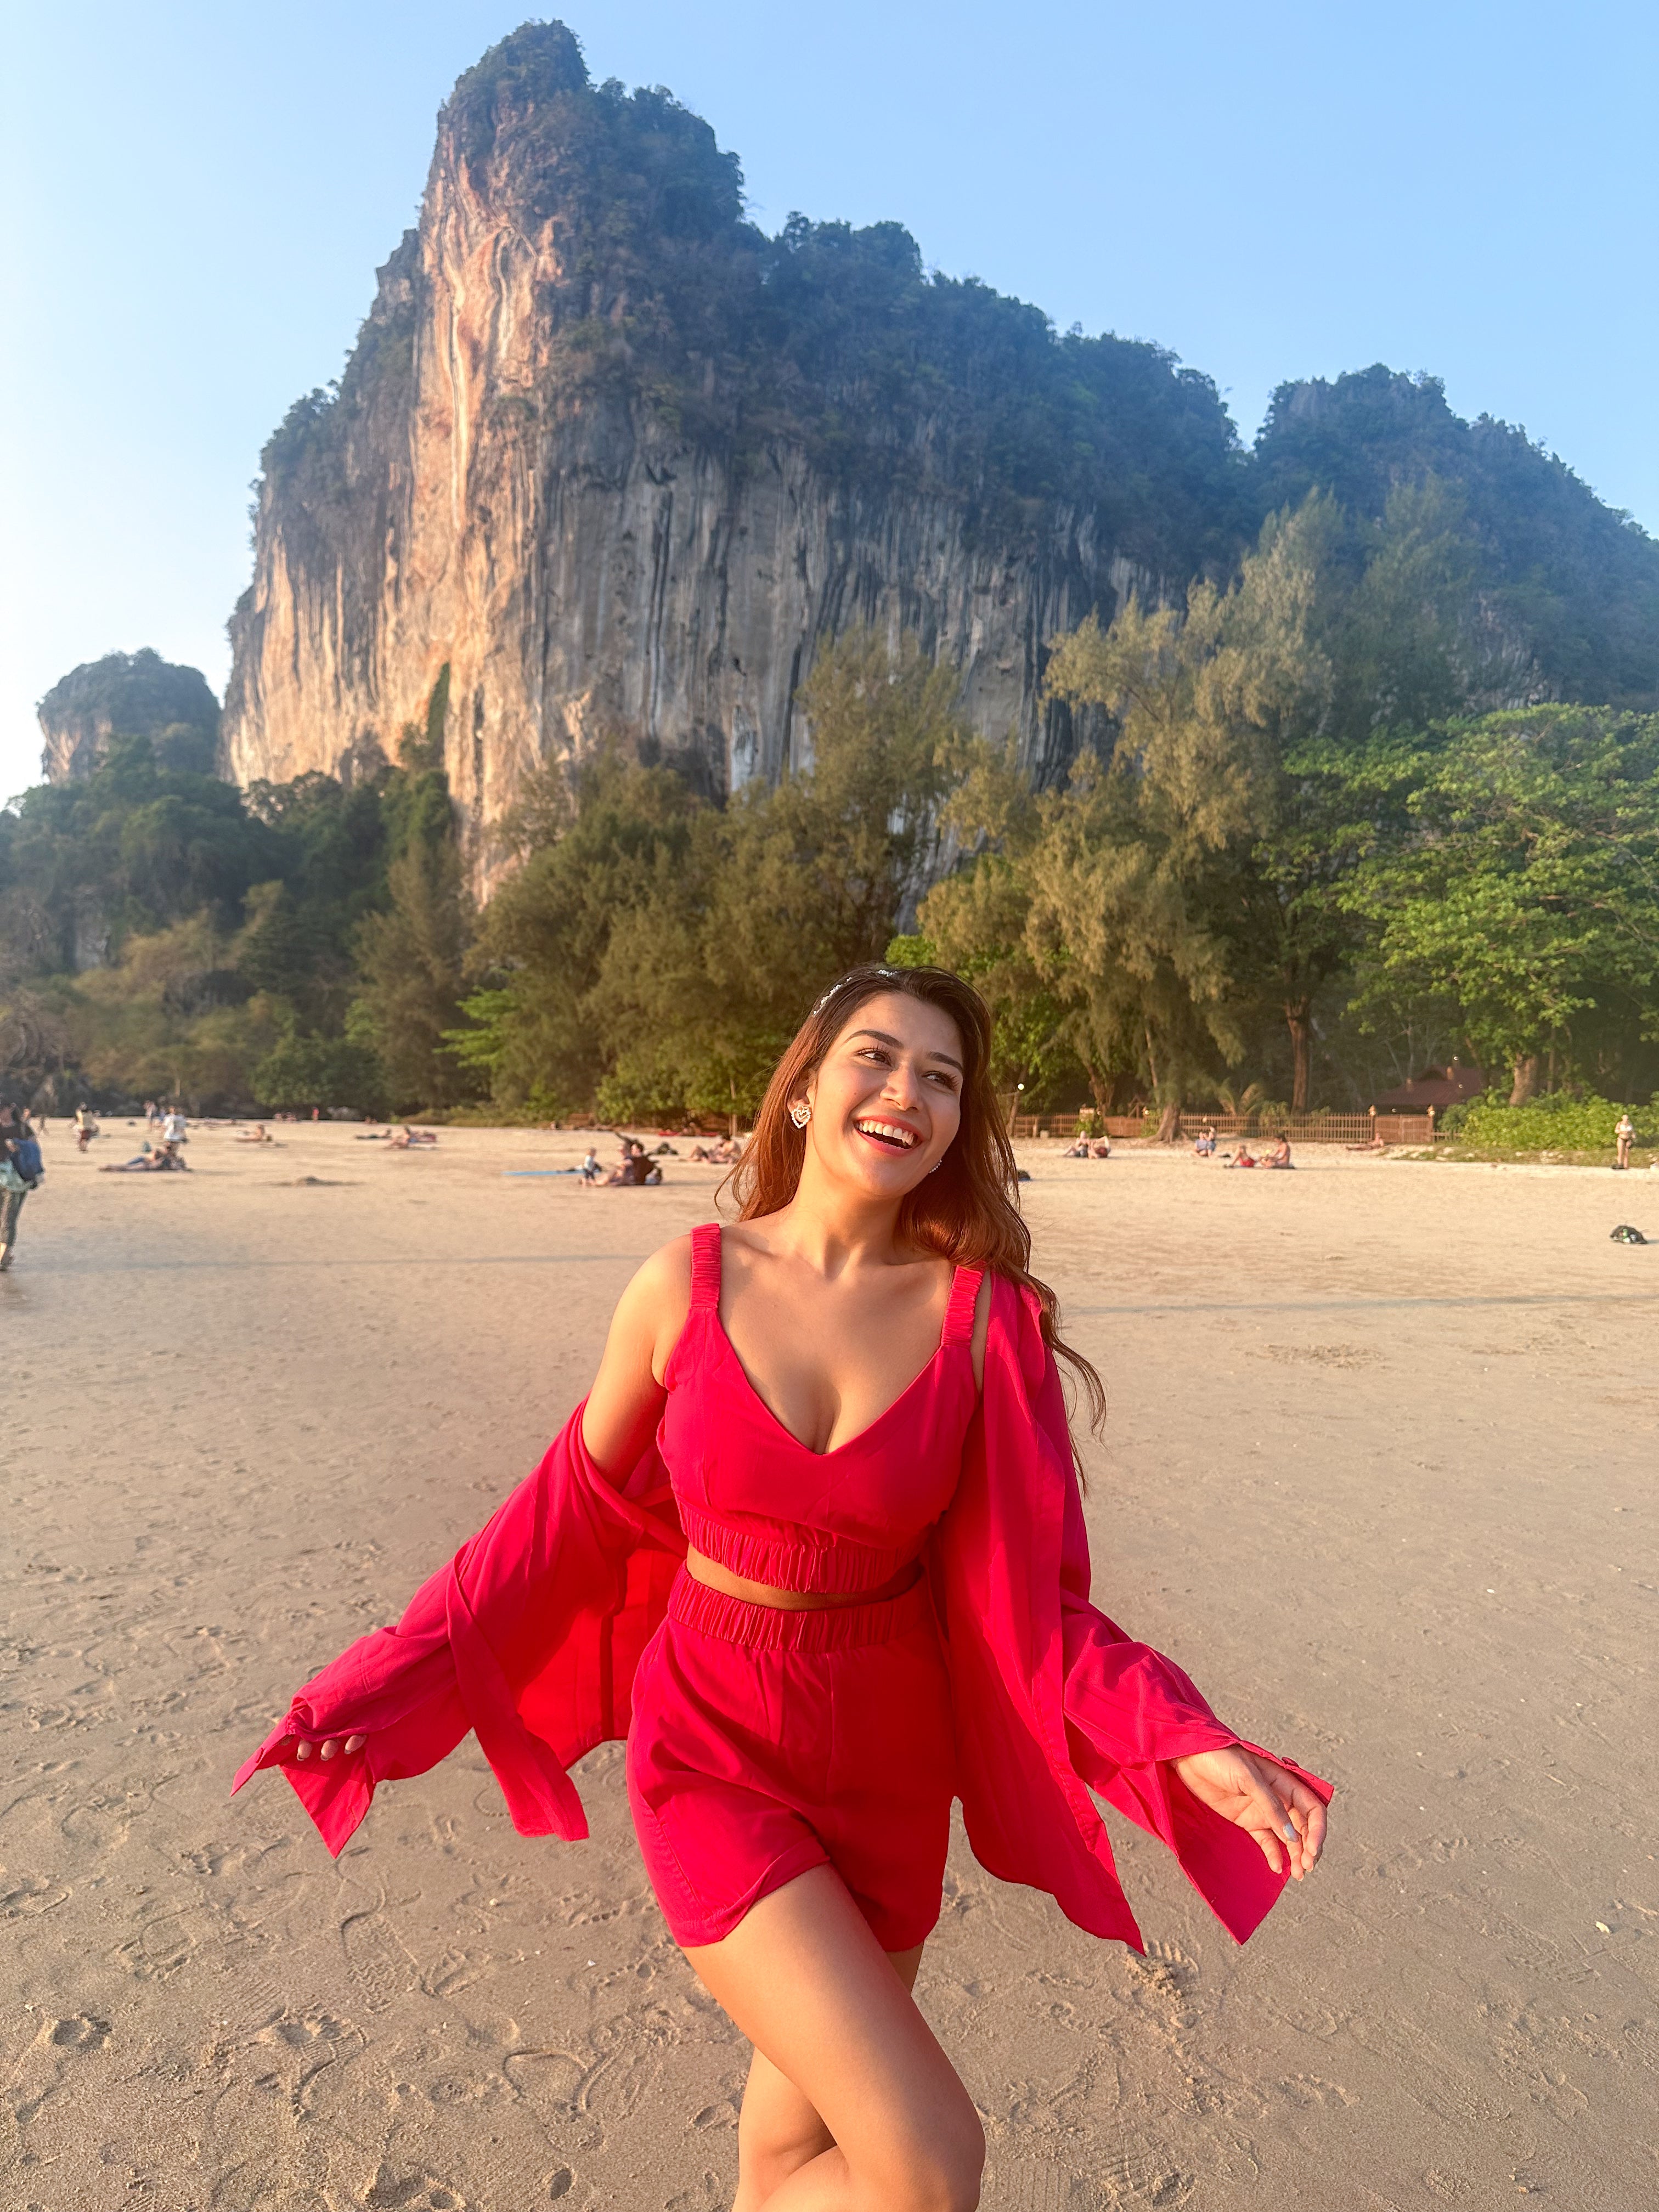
x: 888, y: 1133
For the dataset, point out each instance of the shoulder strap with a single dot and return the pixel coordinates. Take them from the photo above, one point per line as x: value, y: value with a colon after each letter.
x: 959, y: 1314
x: 706, y: 1267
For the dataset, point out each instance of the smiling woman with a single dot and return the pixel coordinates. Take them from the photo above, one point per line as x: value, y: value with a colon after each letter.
x: 814, y: 1542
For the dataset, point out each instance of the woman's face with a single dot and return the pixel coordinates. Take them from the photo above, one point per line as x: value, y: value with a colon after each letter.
x: 887, y: 1099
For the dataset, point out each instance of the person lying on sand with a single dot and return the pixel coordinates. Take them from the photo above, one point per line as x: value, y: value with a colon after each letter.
x: 148, y: 1162
x: 256, y: 1135
x: 408, y: 1139
x: 721, y: 1154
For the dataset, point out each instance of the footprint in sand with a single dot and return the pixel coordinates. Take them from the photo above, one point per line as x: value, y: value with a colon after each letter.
x: 382, y: 1966
x: 29, y: 1895
x: 396, y: 2189
x: 46, y: 2066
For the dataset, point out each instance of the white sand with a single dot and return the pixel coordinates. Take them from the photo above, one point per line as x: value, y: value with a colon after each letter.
x: 1380, y: 1472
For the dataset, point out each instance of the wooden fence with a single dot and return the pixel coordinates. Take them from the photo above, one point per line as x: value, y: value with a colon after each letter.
x: 1300, y: 1128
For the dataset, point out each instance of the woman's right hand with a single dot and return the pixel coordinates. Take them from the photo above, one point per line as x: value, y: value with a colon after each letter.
x: 328, y: 1747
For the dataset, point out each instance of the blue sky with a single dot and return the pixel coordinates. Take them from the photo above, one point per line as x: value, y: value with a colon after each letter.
x: 199, y: 196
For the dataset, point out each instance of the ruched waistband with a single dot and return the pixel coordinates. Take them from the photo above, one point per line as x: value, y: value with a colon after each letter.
x: 792, y: 1559
x: 784, y: 1628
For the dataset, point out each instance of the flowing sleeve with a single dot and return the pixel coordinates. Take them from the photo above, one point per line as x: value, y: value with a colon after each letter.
x: 512, y: 1638
x: 1130, y: 1711
x: 1053, y: 1701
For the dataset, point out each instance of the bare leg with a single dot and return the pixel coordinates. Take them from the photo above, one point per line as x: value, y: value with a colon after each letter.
x: 779, y: 2129
x: 809, y: 1985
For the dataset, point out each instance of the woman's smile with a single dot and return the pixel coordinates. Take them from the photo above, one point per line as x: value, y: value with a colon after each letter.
x: 891, y: 1135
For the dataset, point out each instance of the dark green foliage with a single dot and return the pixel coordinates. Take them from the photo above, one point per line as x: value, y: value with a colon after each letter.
x: 165, y: 931
x: 135, y: 846
x: 657, y: 954
x: 303, y: 1071
x: 1513, y: 877
x: 1577, y: 580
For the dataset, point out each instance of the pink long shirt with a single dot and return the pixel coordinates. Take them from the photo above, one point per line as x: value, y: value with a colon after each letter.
x: 530, y: 1636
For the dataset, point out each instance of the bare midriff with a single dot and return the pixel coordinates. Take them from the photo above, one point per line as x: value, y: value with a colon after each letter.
x: 702, y: 1569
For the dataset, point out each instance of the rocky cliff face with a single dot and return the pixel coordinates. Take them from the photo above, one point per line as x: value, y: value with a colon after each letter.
x: 553, y: 469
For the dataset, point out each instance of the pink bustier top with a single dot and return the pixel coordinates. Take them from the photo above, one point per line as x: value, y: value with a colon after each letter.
x: 754, y: 1499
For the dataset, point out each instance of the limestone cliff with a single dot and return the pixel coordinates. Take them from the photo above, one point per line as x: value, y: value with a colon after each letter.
x: 619, y: 463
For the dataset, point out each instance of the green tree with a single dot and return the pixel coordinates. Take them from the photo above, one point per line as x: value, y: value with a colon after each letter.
x: 1521, y: 891
x: 303, y: 1071
x: 706, y: 976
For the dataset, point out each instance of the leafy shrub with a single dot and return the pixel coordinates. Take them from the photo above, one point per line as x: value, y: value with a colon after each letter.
x: 313, y: 1071
x: 1554, y: 1123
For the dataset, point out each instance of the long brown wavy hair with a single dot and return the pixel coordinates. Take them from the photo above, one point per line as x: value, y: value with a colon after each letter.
x: 967, y: 1212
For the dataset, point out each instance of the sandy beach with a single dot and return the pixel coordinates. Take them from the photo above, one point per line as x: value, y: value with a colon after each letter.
x: 1379, y: 1472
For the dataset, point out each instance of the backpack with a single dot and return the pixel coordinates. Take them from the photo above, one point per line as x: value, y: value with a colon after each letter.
x: 25, y: 1158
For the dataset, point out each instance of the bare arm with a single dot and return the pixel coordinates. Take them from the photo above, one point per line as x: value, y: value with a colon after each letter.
x: 625, y: 1403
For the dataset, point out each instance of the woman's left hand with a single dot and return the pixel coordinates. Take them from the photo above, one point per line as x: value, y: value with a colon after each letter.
x: 1277, y: 1807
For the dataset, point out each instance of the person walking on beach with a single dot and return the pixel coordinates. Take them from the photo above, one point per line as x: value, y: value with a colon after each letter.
x: 21, y: 1170
x: 823, y: 1484
x: 1623, y: 1136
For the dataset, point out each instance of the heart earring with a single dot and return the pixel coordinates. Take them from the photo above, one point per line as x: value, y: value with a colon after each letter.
x: 800, y: 1114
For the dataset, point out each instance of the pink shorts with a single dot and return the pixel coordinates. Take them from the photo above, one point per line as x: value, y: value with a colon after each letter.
x: 766, y: 1741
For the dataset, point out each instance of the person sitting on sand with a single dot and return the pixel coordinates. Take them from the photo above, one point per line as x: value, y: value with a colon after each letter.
x: 1280, y: 1155
x: 590, y: 1170
x: 1077, y: 1151
x: 635, y: 1169
x: 1204, y: 1144
x: 1242, y: 1158
x: 721, y: 1154
x: 1101, y: 1149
